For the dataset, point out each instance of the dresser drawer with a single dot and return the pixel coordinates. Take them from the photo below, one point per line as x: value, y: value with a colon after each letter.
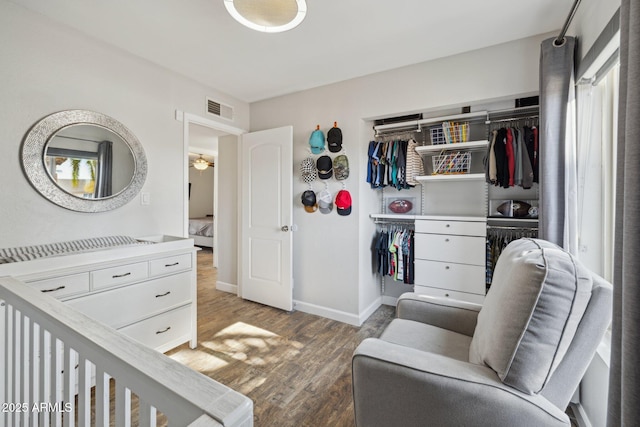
x: 158, y: 267
x: 119, y: 275
x: 158, y: 331
x: 457, y: 277
x: 123, y: 306
x: 63, y: 286
x: 459, y: 249
x: 444, y: 293
x: 461, y: 228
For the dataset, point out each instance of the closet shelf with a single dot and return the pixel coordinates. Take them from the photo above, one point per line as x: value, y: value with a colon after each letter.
x: 432, y: 120
x: 428, y: 149
x: 451, y: 177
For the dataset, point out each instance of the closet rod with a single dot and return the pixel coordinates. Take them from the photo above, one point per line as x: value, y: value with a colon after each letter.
x: 559, y: 41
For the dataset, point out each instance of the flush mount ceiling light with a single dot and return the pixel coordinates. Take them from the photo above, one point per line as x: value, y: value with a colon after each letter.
x: 269, y: 16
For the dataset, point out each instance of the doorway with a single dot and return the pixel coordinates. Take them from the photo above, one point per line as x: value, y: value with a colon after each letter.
x: 217, y: 142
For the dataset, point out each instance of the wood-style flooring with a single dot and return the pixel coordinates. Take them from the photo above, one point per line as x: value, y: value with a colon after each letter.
x: 296, y: 367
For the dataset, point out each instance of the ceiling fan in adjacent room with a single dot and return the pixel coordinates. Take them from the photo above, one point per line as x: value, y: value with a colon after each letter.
x: 201, y: 163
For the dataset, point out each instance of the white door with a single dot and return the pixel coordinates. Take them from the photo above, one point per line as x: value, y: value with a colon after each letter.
x: 266, y: 215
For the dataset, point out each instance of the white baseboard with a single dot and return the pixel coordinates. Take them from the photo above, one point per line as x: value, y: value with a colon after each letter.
x: 227, y: 287
x: 340, y: 316
x: 364, y: 315
x: 329, y: 313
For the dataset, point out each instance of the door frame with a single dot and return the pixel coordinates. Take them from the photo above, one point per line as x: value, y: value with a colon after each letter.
x: 187, y: 119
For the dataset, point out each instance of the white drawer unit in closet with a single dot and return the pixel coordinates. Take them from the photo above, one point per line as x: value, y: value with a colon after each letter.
x: 450, y: 258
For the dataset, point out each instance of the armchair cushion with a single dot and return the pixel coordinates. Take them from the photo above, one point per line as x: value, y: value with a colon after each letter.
x: 537, y: 297
x: 428, y: 338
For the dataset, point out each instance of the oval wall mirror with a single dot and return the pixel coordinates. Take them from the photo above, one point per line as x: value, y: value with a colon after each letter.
x: 84, y: 161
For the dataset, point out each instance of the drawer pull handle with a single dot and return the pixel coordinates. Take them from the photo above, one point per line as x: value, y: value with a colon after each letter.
x: 447, y: 267
x: 172, y: 265
x: 448, y: 225
x: 163, y: 295
x: 54, y: 289
x: 163, y: 331
x: 117, y: 276
x: 446, y: 295
x: 446, y: 240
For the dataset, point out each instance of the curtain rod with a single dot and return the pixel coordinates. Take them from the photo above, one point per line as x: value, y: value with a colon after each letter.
x: 560, y: 39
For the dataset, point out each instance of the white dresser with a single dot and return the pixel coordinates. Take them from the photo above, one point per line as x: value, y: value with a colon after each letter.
x: 450, y: 257
x: 147, y: 292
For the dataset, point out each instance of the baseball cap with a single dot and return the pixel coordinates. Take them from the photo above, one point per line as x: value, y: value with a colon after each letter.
x: 334, y: 138
x: 308, y: 170
x: 309, y: 201
x: 341, y: 167
x: 343, y: 203
x: 325, y: 201
x: 325, y: 167
x: 316, y: 141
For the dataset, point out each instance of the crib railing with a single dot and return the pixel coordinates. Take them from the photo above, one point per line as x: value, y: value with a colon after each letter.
x: 59, y: 367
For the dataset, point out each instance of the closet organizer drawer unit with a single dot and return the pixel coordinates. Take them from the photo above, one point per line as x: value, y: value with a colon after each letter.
x: 445, y: 293
x: 60, y: 287
x: 462, y: 228
x: 119, y: 275
x: 159, y: 330
x: 458, y: 249
x: 158, y: 267
x: 457, y: 277
x: 136, y: 302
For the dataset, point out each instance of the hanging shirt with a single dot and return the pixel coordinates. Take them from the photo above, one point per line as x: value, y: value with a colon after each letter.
x: 415, y: 167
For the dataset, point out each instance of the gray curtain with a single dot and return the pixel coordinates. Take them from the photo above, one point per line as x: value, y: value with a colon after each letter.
x: 624, y: 374
x: 105, y: 170
x: 556, y: 82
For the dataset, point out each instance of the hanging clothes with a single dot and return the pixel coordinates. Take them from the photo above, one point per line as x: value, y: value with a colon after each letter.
x: 512, y: 157
x: 415, y: 166
x: 393, y: 253
x: 387, y: 164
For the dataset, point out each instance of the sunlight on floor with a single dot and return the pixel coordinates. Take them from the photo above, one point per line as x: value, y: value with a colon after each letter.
x: 252, y: 345
x: 198, y: 357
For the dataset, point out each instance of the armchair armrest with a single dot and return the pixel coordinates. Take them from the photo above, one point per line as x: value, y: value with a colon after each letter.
x: 398, y: 385
x: 454, y: 315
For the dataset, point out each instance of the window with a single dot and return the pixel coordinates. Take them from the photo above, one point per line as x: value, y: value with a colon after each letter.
x: 597, y: 104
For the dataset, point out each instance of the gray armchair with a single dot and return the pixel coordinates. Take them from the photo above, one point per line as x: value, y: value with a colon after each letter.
x: 515, y: 361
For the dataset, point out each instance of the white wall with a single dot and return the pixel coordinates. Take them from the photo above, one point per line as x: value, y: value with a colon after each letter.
x: 46, y: 68
x: 227, y: 212
x: 332, y: 256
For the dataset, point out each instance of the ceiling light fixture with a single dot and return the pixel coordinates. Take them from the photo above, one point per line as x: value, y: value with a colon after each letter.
x: 269, y: 16
x: 200, y: 163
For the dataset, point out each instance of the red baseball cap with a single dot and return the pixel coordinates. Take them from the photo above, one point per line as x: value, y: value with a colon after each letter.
x: 343, y: 203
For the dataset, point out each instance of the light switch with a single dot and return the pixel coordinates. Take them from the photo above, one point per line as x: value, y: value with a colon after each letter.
x: 145, y: 198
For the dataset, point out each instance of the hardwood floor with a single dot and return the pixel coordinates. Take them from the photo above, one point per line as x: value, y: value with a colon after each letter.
x: 296, y: 367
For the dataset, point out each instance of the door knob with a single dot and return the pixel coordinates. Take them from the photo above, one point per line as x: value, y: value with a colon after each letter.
x: 285, y: 228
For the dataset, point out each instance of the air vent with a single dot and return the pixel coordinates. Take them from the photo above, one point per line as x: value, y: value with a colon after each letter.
x: 219, y: 110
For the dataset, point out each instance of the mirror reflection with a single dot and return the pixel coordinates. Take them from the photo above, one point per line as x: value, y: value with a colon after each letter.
x: 89, y: 161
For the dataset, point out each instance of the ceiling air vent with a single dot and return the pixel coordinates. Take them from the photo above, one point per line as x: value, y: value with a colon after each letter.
x: 219, y: 110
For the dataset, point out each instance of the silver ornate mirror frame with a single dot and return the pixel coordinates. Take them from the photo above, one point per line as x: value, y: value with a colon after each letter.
x: 34, y: 146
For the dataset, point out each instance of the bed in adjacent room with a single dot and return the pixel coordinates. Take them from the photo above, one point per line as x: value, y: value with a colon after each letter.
x: 201, y: 231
